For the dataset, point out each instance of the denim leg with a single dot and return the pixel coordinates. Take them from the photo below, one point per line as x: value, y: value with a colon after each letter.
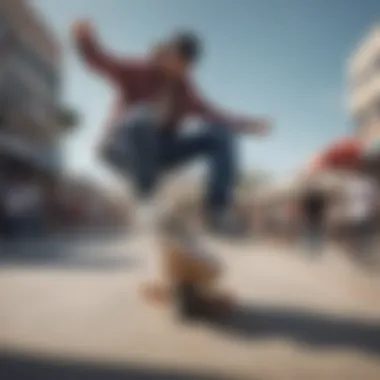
x: 223, y: 169
x: 217, y: 145
x: 133, y: 150
x: 147, y: 152
x: 144, y: 158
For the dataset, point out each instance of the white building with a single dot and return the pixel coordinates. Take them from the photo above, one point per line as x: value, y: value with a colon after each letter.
x: 30, y: 72
x: 364, y: 87
x: 30, y: 92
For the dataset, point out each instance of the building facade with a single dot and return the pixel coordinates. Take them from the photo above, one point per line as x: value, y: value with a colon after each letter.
x: 30, y: 112
x: 364, y: 87
x: 29, y: 83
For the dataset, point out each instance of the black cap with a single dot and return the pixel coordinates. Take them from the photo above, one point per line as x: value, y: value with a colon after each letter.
x: 188, y: 45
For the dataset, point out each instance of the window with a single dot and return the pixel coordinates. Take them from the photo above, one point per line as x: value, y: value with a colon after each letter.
x: 377, y: 64
x: 42, y: 69
x: 23, y: 102
x: 364, y: 77
x: 5, y: 38
x: 371, y: 71
x: 31, y: 80
x: 376, y: 108
x: 3, y: 33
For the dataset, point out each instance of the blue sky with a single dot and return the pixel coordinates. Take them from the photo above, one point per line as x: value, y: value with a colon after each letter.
x: 284, y: 58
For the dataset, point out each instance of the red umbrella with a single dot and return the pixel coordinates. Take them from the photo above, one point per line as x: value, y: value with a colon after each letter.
x: 343, y: 154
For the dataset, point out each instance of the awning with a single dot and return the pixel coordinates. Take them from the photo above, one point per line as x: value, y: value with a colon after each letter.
x: 343, y: 154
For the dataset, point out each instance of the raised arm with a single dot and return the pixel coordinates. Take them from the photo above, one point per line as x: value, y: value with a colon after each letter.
x: 94, y: 55
x: 214, y: 114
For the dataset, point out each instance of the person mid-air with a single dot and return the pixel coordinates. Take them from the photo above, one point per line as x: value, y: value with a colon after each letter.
x: 155, y: 95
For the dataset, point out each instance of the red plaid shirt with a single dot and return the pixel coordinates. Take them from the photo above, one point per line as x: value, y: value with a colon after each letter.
x: 138, y: 81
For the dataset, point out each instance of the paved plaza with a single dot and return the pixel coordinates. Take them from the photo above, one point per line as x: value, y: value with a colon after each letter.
x: 72, y: 302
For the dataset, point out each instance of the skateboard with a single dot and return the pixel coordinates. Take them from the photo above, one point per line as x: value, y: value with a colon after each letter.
x: 189, y: 277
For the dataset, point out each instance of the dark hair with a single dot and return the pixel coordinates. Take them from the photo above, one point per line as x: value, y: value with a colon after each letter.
x: 188, y: 45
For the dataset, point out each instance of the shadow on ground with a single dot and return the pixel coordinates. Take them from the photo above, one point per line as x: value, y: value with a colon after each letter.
x: 14, y: 367
x: 315, y: 330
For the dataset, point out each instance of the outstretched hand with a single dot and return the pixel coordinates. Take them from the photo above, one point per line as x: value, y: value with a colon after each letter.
x: 257, y: 126
x: 82, y: 29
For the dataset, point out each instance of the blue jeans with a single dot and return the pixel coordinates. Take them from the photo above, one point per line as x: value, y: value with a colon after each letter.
x: 144, y: 152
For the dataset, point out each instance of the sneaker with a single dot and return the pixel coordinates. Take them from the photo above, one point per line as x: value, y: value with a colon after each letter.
x: 192, y: 305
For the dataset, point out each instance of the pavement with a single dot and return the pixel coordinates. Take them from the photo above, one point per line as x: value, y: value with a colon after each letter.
x: 70, y: 308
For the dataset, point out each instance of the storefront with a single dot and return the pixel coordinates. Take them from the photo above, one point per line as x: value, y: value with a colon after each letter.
x: 371, y: 159
x: 28, y: 172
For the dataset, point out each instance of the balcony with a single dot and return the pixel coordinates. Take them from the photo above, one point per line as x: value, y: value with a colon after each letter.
x: 18, y: 148
x: 363, y: 98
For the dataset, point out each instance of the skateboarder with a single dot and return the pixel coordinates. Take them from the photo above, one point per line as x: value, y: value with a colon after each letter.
x: 314, y: 207
x: 155, y: 94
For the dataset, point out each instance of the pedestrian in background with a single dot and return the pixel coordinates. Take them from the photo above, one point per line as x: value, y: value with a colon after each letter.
x: 314, y: 210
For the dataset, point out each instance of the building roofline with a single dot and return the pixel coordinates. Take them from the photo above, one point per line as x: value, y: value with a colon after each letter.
x: 43, y: 24
x: 361, y: 44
